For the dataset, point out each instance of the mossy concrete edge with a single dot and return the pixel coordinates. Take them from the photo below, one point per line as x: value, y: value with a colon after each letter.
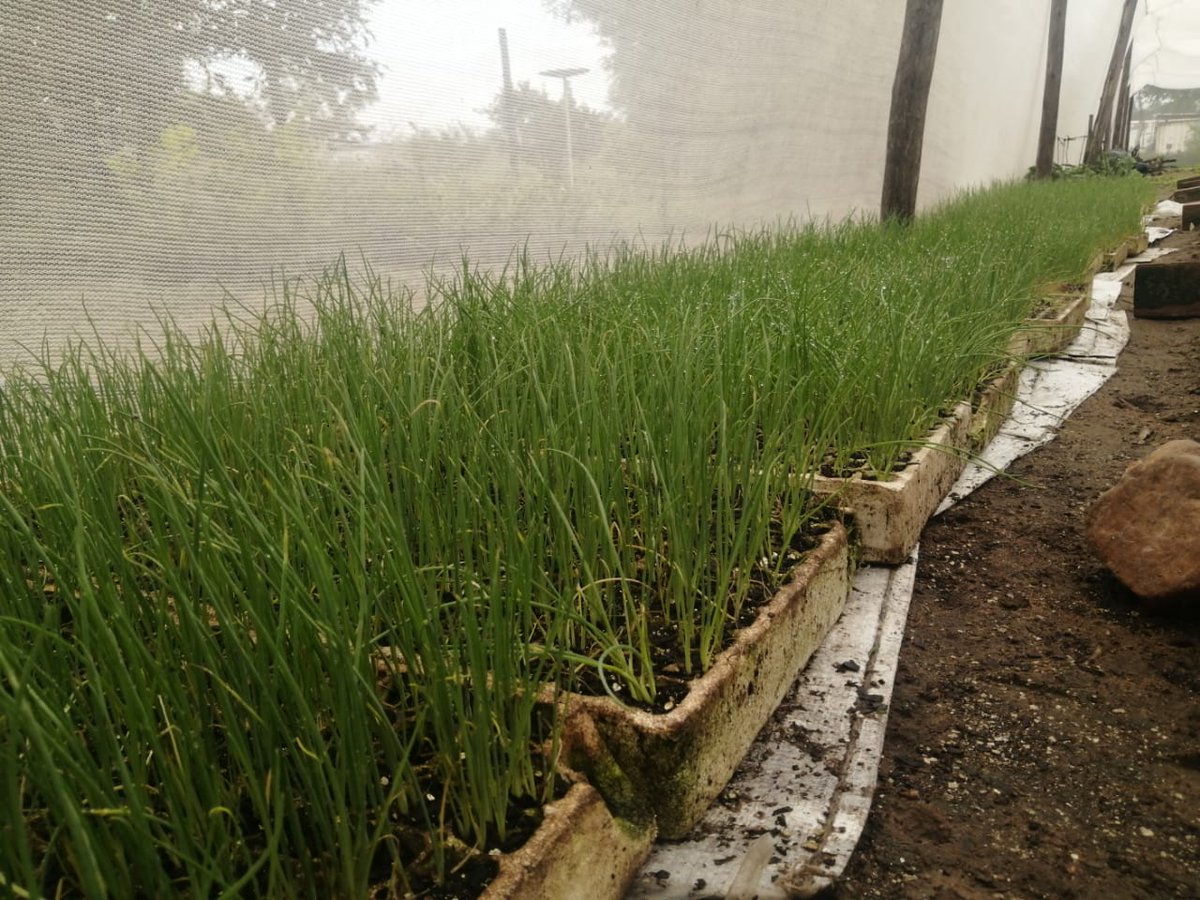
x: 580, y: 852
x: 888, y: 516
x: 670, y: 767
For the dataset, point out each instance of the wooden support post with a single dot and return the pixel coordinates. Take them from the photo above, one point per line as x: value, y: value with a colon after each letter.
x: 1053, y: 88
x: 1120, y: 133
x: 910, y: 99
x: 508, y: 114
x: 1103, y: 129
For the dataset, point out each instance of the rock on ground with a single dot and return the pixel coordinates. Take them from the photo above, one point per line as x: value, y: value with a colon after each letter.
x: 1146, y: 528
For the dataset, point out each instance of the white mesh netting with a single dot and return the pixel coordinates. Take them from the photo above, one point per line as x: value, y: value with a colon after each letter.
x: 153, y: 152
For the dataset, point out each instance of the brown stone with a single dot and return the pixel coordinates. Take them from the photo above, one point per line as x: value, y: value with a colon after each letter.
x: 1186, y: 195
x: 1146, y: 528
x: 1184, y: 183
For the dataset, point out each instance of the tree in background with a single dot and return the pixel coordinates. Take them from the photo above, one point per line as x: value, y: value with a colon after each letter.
x: 108, y: 72
x: 83, y: 81
x: 713, y: 97
x: 663, y: 85
x: 1153, y: 101
x: 538, y: 130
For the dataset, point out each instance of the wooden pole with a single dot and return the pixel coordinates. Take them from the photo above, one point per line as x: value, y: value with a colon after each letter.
x: 1120, y: 137
x: 1128, y: 126
x: 910, y: 99
x: 1053, y: 88
x: 1100, y: 134
x: 508, y: 113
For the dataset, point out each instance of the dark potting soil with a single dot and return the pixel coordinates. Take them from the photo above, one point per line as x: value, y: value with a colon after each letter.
x: 1044, y: 727
x: 1051, y: 306
x: 469, y: 871
x: 674, y: 673
x: 466, y: 883
x: 860, y: 462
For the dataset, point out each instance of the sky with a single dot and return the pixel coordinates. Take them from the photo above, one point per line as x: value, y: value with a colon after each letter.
x: 441, y: 59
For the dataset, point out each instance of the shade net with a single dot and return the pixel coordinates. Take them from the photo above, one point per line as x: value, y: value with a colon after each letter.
x: 159, y: 158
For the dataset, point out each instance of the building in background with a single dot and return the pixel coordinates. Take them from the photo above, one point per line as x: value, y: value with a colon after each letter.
x: 1176, y: 136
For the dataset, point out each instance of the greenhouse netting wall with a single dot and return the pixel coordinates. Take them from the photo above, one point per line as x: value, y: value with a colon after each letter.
x: 155, y: 155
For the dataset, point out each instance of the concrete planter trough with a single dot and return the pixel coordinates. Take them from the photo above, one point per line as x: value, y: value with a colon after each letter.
x: 654, y: 775
x: 581, y: 851
x: 666, y: 769
x: 1066, y: 308
x: 1131, y: 246
x: 992, y: 405
x: 889, y: 515
x: 1054, y: 330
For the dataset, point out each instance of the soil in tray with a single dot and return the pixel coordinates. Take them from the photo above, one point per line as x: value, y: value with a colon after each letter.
x: 469, y: 875
x: 672, y: 677
x: 1049, y: 306
x: 467, y: 882
x: 859, y: 463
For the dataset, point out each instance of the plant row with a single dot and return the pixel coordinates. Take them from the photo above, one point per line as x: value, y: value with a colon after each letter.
x: 278, y: 600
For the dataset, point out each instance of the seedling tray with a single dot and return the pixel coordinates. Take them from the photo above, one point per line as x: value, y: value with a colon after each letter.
x: 581, y: 851
x: 667, y: 768
x: 888, y: 515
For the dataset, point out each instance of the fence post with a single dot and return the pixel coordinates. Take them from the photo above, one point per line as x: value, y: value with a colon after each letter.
x: 910, y: 98
x: 1100, y: 134
x: 1053, y: 88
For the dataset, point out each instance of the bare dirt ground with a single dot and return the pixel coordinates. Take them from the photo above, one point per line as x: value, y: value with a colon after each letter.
x: 1044, y: 735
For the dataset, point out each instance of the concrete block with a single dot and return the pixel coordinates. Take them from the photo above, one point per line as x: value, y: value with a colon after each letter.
x: 1053, y: 329
x: 1191, y: 216
x: 1167, y: 291
x: 669, y: 768
x: 889, y: 515
x: 580, y: 851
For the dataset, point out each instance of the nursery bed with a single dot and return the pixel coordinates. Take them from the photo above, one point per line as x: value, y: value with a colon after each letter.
x: 888, y: 515
x: 490, y: 491
x: 794, y: 812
